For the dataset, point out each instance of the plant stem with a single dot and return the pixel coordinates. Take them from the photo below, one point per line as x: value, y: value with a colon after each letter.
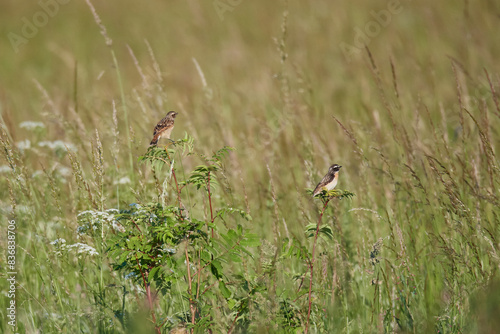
x: 234, y: 322
x: 177, y: 186
x: 199, y: 275
x: 311, y: 263
x: 176, y: 183
x: 190, y: 289
x: 148, y: 293
x: 218, y: 256
x: 210, y: 203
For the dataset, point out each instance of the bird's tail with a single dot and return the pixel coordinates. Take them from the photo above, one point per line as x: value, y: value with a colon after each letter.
x: 154, y: 142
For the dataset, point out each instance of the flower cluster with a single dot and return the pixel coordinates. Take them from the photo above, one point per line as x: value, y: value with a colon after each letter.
x: 80, y: 249
x: 96, y: 220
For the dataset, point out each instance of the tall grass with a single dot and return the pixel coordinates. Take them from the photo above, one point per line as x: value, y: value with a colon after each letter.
x: 413, y: 117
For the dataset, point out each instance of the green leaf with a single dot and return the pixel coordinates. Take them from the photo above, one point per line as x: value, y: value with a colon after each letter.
x: 211, y: 250
x: 205, y: 256
x: 325, y: 195
x: 311, y: 227
x: 216, y: 268
x: 246, y: 252
x: 123, y: 257
x: 221, y: 153
x: 235, y: 257
x: 227, y: 238
x: 232, y: 235
x: 152, y: 273
x: 222, y: 212
x: 224, y: 290
x: 324, y: 230
x: 251, y: 240
x: 231, y: 303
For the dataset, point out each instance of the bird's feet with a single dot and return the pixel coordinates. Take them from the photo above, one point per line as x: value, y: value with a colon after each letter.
x: 171, y: 142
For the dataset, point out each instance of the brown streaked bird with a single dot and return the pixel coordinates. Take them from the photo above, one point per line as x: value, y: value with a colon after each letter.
x: 329, y: 181
x: 164, y: 128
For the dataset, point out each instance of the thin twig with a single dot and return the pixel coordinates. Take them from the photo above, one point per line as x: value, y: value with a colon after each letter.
x: 219, y: 256
x: 311, y: 263
x: 234, y: 322
x: 493, y: 93
x: 175, y: 180
x: 199, y: 275
x: 148, y: 293
x: 190, y: 289
x: 210, y: 203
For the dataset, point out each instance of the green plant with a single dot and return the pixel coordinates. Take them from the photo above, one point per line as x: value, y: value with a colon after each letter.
x: 172, y: 253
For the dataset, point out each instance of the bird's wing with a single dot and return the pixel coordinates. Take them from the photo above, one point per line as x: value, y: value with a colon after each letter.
x: 327, y: 179
x: 162, y: 125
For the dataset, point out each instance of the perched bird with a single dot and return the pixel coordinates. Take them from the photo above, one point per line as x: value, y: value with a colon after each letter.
x: 329, y: 181
x: 164, y: 128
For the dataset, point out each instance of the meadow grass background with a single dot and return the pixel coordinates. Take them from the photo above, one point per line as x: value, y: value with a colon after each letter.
x: 413, y: 118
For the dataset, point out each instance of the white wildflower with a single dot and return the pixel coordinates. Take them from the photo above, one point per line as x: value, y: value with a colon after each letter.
x: 52, y: 315
x: 23, y: 208
x: 169, y: 250
x: 123, y: 180
x: 130, y: 275
x: 5, y: 209
x: 135, y: 288
x: 83, y: 249
x: 58, y: 242
x: 81, y: 229
x: 60, y: 246
x: 94, y: 220
x: 5, y: 169
x: 64, y: 171
x: 85, y: 212
x: 29, y: 125
x: 23, y: 145
x: 117, y: 227
x: 58, y: 145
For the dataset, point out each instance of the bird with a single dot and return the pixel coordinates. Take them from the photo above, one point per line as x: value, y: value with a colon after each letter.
x: 329, y: 181
x: 164, y: 128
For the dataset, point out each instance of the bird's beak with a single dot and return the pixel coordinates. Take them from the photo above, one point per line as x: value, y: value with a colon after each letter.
x: 340, y: 167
